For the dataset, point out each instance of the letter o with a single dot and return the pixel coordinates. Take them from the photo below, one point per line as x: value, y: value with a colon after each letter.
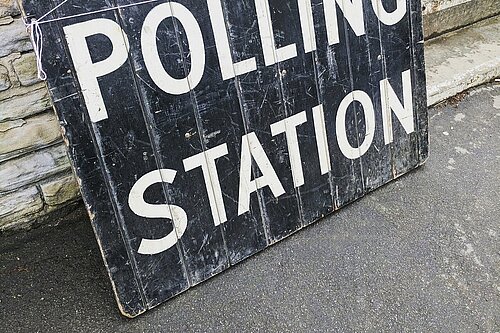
x: 392, y: 17
x: 346, y: 148
x: 150, y: 48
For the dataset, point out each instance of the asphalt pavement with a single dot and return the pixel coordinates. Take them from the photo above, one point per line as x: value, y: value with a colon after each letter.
x: 421, y: 254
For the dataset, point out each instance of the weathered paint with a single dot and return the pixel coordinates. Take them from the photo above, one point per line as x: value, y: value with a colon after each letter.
x: 200, y: 140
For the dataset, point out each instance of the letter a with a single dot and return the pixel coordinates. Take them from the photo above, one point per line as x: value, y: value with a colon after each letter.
x: 251, y: 147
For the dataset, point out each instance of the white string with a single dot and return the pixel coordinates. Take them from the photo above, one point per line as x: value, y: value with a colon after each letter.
x: 36, y: 34
x: 37, y: 40
x: 53, y: 9
x: 94, y: 12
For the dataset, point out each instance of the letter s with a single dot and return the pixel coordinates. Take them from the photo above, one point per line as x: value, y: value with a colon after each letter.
x: 140, y: 207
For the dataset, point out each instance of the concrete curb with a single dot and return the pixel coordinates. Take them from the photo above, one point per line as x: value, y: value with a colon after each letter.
x: 462, y: 59
x: 441, y: 16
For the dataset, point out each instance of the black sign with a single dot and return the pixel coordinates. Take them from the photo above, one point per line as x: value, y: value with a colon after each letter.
x: 204, y: 131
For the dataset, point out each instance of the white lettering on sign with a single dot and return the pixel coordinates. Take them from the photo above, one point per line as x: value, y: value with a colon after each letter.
x: 390, y: 102
x: 353, y: 12
x: 289, y: 127
x: 140, y: 207
x: 88, y: 72
x: 251, y: 148
x: 321, y: 139
x: 365, y: 101
x: 271, y: 54
x: 307, y: 25
x: 392, y: 17
x: 158, y: 74
x: 228, y: 68
x: 207, y: 162
x: 255, y: 169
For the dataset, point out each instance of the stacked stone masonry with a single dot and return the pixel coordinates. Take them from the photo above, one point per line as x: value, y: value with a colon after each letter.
x: 35, y: 175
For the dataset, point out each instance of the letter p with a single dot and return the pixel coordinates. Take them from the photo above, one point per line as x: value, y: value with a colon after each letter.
x: 87, y: 71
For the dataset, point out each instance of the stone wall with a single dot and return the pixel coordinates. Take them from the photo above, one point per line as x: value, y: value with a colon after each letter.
x: 35, y: 175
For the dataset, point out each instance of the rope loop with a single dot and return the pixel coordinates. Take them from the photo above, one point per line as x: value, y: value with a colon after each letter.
x: 35, y: 32
x: 36, y: 35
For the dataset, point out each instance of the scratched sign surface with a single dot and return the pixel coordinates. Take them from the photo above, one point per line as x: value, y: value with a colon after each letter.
x: 204, y: 131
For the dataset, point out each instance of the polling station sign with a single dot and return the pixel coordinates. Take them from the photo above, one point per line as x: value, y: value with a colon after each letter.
x: 202, y: 132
